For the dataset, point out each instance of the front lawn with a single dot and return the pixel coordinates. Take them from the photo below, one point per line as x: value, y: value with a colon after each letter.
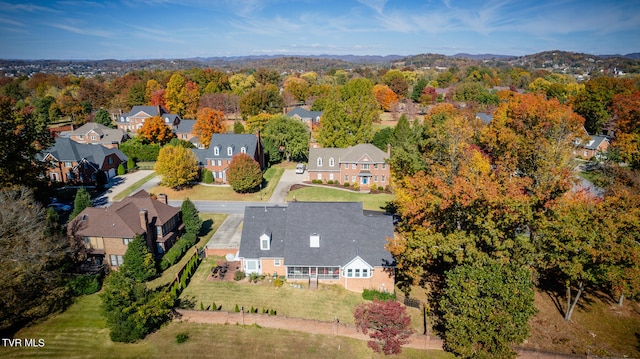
x: 372, y: 202
x: 325, y: 303
x: 224, y: 192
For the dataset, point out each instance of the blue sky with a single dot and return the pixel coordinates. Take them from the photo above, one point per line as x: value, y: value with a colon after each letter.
x: 146, y: 29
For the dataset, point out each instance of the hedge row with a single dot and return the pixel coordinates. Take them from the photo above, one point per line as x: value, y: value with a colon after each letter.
x: 175, y: 253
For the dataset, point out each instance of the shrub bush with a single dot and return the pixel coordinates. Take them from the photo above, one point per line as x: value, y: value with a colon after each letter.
x: 207, y: 176
x: 329, y: 182
x: 236, y: 309
x: 181, y: 338
x: 278, y: 282
x: 189, y: 239
x: 239, y: 275
x: 121, y: 170
x: 380, y: 188
x: 371, y: 294
x: 175, y: 253
x: 346, y: 184
x: 85, y: 284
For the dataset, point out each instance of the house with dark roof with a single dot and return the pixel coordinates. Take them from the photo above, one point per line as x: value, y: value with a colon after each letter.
x: 97, y: 134
x: 363, y: 164
x: 595, y: 147
x: 309, y: 118
x: 319, y: 242
x: 223, y: 147
x: 132, y: 121
x: 78, y: 163
x: 106, y: 232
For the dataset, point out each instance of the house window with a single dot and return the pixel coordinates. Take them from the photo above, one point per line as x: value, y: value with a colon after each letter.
x: 126, y: 241
x: 353, y: 165
x: 357, y: 270
x: 320, y: 176
x: 319, y: 161
x: 68, y: 164
x: 243, y: 149
x: 346, y: 178
x: 383, y: 179
x: 219, y: 162
x: 229, y: 151
x: 586, y: 153
x: 331, y: 176
x: 276, y: 262
x: 331, y: 162
x: 220, y: 175
x: 110, y: 160
x: 216, y: 151
x: 346, y: 166
x: 375, y: 166
x: 384, y: 166
x: 350, y: 273
x: 265, y: 242
x: 116, y: 261
x: 93, y: 138
x: 353, y: 179
x: 365, y: 166
x: 86, y: 240
x: 365, y: 273
x: 375, y: 178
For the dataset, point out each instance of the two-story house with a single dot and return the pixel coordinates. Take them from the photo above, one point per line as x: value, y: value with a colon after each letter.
x: 106, y: 232
x: 319, y: 242
x: 363, y: 164
x: 132, y: 121
x: 97, y: 134
x: 78, y: 163
x: 223, y: 147
x: 184, y: 131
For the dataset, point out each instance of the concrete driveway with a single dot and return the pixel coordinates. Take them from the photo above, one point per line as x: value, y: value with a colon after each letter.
x: 121, y: 183
x: 288, y: 179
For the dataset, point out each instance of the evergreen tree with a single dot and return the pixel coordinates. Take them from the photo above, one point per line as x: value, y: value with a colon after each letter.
x: 238, y: 127
x: 190, y: 218
x: 102, y: 117
x: 82, y: 201
x: 138, y: 262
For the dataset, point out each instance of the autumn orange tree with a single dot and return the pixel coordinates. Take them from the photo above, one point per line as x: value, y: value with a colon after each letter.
x: 385, y: 97
x: 154, y: 130
x: 191, y: 99
x: 208, y: 122
x: 626, y: 121
x: 386, y: 322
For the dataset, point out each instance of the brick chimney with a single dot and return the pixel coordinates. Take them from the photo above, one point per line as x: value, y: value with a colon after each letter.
x: 144, y: 219
x: 163, y: 198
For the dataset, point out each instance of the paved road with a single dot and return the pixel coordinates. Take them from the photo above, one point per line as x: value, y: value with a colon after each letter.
x: 221, y: 207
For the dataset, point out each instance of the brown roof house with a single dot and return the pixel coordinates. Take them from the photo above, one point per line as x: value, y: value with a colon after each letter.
x: 319, y: 242
x: 106, y: 232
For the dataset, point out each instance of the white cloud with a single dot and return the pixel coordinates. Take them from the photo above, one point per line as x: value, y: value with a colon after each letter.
x: 83, y: 30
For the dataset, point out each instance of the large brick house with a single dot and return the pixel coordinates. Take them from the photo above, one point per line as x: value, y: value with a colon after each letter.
x: 319, y: 242
x: 106, y: 232
x: 363, y: 164
x: 78, y: 163
x: 97, y: 134
x: 132, y: 121
x: 223, y: 147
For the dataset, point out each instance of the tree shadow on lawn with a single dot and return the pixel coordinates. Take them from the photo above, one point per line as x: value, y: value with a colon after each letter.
x: 558, y: 295
x: 206, y: 227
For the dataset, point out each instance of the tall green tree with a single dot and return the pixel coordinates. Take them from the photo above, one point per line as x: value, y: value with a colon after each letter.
x: 262, y: 99
x: 82, y: 200
x: 190, y: 218
x: 22, y: 136
x: 486, y: 309
x: 102, y: 117
x: 594, y: 102
x: 349, y: 115
x: 32, y: 257
x: 138, y: 262
x: 290, y: 135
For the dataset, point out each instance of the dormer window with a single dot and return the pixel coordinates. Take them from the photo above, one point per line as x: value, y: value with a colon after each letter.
x: 229, y: 151
x: 265, y: 241
x: 216, y: 151
x: 243, y: 149
x: 314, y: 241
x: 332, y: 162
x: 319, y: 161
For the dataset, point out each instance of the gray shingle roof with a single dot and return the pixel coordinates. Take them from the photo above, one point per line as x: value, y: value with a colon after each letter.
x: 595, y: 142
x: 185, y: 126
x: 304, y: 114
x: 64, y: 149
x: 345, y: 232
x: 225, y: 140
x: 107, y: 135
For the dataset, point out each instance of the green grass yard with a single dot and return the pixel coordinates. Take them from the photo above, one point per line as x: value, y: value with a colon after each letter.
x: 224, y: 192
x: 373, y: 202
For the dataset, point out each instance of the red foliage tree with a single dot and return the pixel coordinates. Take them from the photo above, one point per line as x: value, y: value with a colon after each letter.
x: 386, y: 322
